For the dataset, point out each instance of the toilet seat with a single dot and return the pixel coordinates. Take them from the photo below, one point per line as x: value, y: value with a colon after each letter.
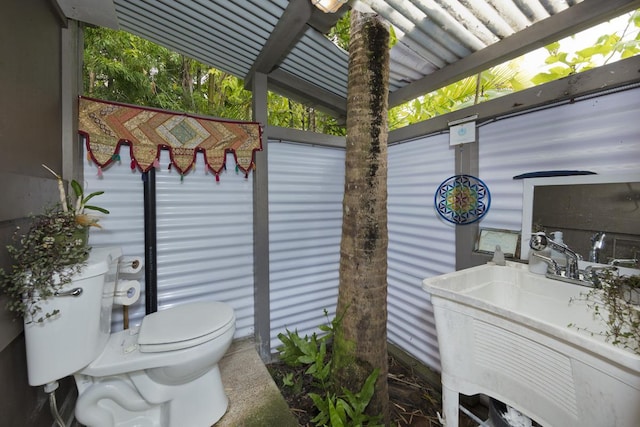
x: 184, y: 326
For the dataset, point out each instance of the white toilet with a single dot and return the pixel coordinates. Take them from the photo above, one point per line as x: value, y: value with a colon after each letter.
x: 164, y: 373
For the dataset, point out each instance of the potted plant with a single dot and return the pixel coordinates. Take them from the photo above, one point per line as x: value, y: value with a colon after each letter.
x: 48, y: 255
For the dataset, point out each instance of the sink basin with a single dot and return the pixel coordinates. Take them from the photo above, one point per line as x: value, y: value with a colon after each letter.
x: 504, y: 332
x: 531, y: 299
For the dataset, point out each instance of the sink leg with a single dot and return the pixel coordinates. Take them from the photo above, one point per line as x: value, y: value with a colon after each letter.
x: 450, y: 404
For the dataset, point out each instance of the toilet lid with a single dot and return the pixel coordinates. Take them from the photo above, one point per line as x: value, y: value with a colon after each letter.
x: 183, y: 326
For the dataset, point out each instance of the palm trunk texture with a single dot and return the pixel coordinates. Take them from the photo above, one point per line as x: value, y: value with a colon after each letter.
x: 360, y: 344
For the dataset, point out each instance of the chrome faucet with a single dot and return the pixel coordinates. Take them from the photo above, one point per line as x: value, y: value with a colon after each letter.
x: 628, y: 262
x: 540, y: 242
x: 595, y: 275
x: 557, y: 271
x: 597, y: 243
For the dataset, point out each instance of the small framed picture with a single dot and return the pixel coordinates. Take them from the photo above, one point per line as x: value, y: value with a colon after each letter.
x: 508, y: 240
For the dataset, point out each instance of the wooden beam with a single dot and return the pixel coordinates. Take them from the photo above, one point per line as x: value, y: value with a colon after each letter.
x: 276, y: 133
x: 311, y: 95
x: 570, y: 21
x: 287, y: 32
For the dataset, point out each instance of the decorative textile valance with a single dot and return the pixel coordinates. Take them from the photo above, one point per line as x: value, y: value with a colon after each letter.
x: 108, y: 125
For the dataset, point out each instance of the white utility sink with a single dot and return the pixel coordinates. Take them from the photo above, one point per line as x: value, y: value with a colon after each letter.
x: 504, y: 332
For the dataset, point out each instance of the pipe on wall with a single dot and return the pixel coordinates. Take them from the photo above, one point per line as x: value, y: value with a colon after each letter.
x: 150, y: 242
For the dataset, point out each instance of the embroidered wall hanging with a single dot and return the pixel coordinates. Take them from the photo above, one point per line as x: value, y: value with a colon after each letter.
x: 108, y: 125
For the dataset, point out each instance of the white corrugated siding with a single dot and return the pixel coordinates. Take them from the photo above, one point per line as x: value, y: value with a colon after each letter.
x: 124, y: 226
x: 600, y: 134
x: 306, y: 185
x: 205, y: 239
x: 420, y: 243
x: 204, y: 228
x: 205, y: 231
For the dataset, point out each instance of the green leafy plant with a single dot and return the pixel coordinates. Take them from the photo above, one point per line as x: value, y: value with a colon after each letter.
x: 47, y: 256
x: 615, y: 301
x: 297, y: 351
x: 311, y: 354
x: 349, y: 409
x: 80, y: 205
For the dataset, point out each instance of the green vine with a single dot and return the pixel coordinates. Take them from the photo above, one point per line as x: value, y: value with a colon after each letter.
x: 50, y: 253
x: 615, y: 301
x: 45, y: 258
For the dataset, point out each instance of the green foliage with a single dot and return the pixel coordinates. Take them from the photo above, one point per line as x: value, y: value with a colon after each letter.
x: 121, y: 67
x: 604, y: 49
x: 345, y: 410
x: 49, y: 254
x: 495, y: 82
x: 616, y: 302
x: 510, y: 77
x: 349, y: 409
x: 308, y: 351
x: 81, y: 199
x: 339, y: 34
x: 45, y: 259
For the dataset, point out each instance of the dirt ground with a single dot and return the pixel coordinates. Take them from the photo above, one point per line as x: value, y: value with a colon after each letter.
x: 414, y: 402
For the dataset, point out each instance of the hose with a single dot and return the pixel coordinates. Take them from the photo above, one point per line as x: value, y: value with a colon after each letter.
x: 54, y: 410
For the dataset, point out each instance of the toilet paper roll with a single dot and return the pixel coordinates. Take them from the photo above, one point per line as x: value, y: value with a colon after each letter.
x: 130, y: 265
x: 127, y: 292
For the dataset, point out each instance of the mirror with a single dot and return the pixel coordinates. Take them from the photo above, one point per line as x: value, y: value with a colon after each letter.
x: 582, y: 205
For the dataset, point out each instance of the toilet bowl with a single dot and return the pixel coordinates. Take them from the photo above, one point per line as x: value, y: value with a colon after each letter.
x: 163, y: 373
x: 170, y: 360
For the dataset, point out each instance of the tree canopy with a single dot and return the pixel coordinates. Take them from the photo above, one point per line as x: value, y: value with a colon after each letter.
x: 121, y: 67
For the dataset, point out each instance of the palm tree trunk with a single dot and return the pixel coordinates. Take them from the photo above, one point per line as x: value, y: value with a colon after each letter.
x: 360, y: 344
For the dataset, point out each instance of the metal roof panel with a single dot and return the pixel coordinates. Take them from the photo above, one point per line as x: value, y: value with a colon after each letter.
x: 434, y: 36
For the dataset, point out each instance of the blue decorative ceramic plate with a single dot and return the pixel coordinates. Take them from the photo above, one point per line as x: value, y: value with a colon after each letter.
x: 462, y: 199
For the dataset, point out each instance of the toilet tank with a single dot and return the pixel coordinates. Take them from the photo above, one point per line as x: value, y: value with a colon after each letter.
x: 70, y: 340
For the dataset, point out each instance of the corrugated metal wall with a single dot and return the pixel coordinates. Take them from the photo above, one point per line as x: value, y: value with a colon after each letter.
x: 306, y: 184
x: 124, y: 226
x: 305, y: 202
x: 601, y: 134
x: 205, y: 230
x: 205, y: 239
x: 420, y: 243
x: 205, y: 234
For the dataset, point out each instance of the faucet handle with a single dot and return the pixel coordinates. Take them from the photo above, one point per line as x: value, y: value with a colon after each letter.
x: 595, y: 274
x: 538, y: 241
x: 631, y: 262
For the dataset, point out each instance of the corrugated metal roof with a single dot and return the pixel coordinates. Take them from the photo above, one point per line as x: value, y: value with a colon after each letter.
x: 439, y: 41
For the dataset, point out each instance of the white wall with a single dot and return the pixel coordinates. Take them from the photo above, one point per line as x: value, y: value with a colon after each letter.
x: 204, y: 233
x: 421, y: 244
x: 306, y: 184
x: 600, y: 134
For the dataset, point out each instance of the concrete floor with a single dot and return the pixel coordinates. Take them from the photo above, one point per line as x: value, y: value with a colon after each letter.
x: 254, y: 398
